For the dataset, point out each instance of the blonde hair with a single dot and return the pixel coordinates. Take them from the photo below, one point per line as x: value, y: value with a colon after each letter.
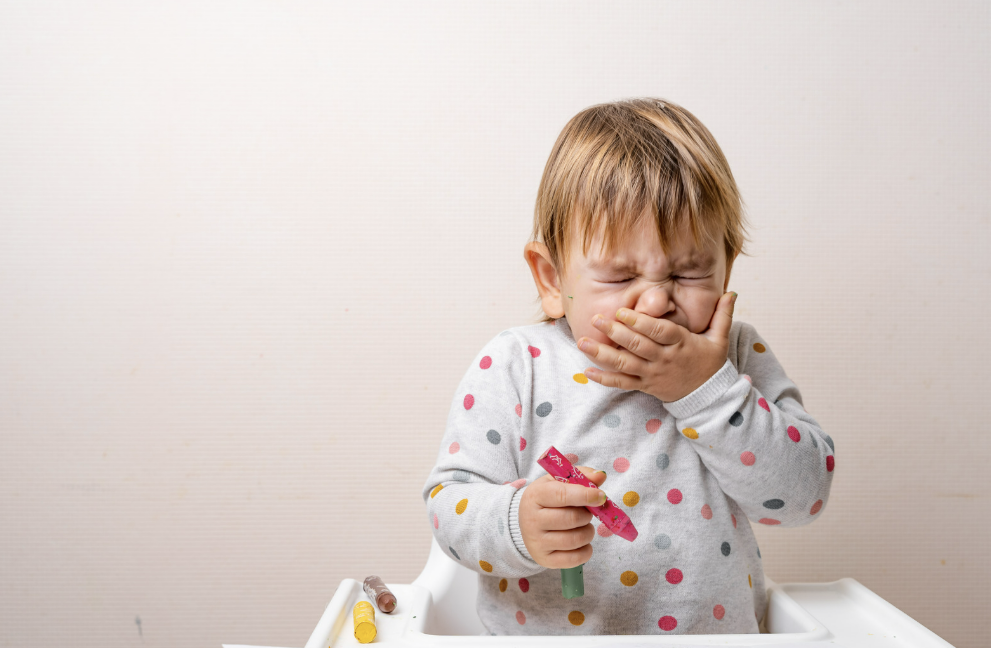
x: 618, y: 164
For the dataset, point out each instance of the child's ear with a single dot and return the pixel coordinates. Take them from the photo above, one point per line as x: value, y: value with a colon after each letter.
x: 545, y: 276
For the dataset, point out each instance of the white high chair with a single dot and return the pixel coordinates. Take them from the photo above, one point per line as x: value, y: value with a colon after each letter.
x: 438, y: 609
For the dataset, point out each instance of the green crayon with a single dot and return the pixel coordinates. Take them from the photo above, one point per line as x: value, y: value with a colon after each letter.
x: 572, y: 582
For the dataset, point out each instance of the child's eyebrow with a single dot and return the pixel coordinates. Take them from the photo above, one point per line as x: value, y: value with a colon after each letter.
x: 612, y: 265
x: 695, y: 263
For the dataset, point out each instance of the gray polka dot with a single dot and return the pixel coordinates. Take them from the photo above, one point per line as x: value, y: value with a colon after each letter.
x: 462, y: 475
x: 829, y: 442
x: 544, y: 409
x: 611, y: 420
x: 501, y: 526
x: 663, y: 461
x: 662, y: 542
x: 758, y: 552
x: 725, y: 548
x: 493, y: 437
x: 454, y: 553
x: 815, y: 444
x: 736, y: 420
x: 774, y: 504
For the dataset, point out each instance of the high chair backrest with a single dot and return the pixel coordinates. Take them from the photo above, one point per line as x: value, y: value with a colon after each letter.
x: 454, y: 589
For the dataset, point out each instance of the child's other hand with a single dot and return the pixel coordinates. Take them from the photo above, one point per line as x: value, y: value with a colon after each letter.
x: 554, y: 522
x: 660, y: 357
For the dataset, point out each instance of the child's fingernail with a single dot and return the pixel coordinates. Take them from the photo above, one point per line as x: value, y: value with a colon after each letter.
x: 602, y: 498
x: 584, y: 345
x: 734, y: 296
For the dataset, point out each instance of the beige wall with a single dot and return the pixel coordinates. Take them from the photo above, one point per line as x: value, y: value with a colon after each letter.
x: 248, y: 249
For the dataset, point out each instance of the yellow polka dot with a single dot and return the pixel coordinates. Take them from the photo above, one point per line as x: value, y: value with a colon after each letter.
x: 690, y: 433
x: 581, y: 378
x: 436, y: 490
x: 486, y: 567
x: 750, y: 581
x: 460, y: 508
x: 576, y: 617
x: 632, y: 498
x: 759, y: 348
x: 503, y: 584
x: 629, y: 578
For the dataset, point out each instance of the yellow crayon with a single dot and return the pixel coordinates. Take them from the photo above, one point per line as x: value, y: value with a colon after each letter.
x: 364, y: 622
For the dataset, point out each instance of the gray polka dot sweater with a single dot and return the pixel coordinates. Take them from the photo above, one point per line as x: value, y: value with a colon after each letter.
x: 692, y: 475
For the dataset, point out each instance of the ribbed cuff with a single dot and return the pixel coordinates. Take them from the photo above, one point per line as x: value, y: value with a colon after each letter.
x: 514, y: 524
x: 707, y: 394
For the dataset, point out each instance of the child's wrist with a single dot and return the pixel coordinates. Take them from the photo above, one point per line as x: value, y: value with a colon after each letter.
x: 706, y: 394
x: 514, y: 524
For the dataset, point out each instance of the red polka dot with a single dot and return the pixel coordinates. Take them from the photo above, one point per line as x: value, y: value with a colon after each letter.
x: 769, y: 521
x: 436, y: 522
x: 519, y: 410
x: 603, y: 531
x: 707, y: 511
x: 534, y: 351
x: 674, y: 576
x: 667, y: 623
x: 469, y: 401
x: 734, y: 520
x: 522, y: 444
x: 520, y: 617
x: 621, y: 465
x: 748, y: 379
x: 573, y: 458
x: 794, y: 434
x: 763, y: 403
x: 748, y: 458
x: 653, y: 425
x: 524, y: 585
x: 674, y: 496
x: 830, y: 463
x: 454, y: 447
x: 719, y: 612
x: 816, y: 507
x: 485, y: 363
x: 519, y: 483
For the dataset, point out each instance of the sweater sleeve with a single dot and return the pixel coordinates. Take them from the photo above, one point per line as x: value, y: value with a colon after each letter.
x: 472, y: 491
x: 749, y: 427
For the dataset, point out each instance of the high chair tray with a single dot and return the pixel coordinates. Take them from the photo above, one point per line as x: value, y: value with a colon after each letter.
x: 800, y: 615
x: 438, y: 609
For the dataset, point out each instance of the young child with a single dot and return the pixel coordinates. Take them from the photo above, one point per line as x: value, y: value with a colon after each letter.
x: 639, y: 369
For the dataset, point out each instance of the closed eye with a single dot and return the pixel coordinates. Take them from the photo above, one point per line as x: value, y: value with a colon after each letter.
x: 619, y: 281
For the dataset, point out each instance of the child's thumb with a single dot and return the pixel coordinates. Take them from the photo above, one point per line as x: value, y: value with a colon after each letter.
x: 596, y: 476
x: 722, y: 319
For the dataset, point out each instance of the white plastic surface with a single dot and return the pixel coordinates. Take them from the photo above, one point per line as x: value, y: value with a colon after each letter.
x: 438, y: 609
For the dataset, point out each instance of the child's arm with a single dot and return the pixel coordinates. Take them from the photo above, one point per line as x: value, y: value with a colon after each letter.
x: 475, y: 490
x: 749, y: 428
x: 767, y: 452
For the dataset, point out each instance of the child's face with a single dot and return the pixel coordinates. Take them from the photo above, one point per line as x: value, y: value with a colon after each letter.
x: 682, y: 286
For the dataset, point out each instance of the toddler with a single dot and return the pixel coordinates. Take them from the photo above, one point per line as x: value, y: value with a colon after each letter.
x: 638, y: 369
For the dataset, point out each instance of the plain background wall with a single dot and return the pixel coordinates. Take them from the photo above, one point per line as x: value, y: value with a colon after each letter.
x: 248, y: 249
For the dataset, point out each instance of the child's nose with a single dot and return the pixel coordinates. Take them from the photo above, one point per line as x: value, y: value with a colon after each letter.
x: 655, y: 301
